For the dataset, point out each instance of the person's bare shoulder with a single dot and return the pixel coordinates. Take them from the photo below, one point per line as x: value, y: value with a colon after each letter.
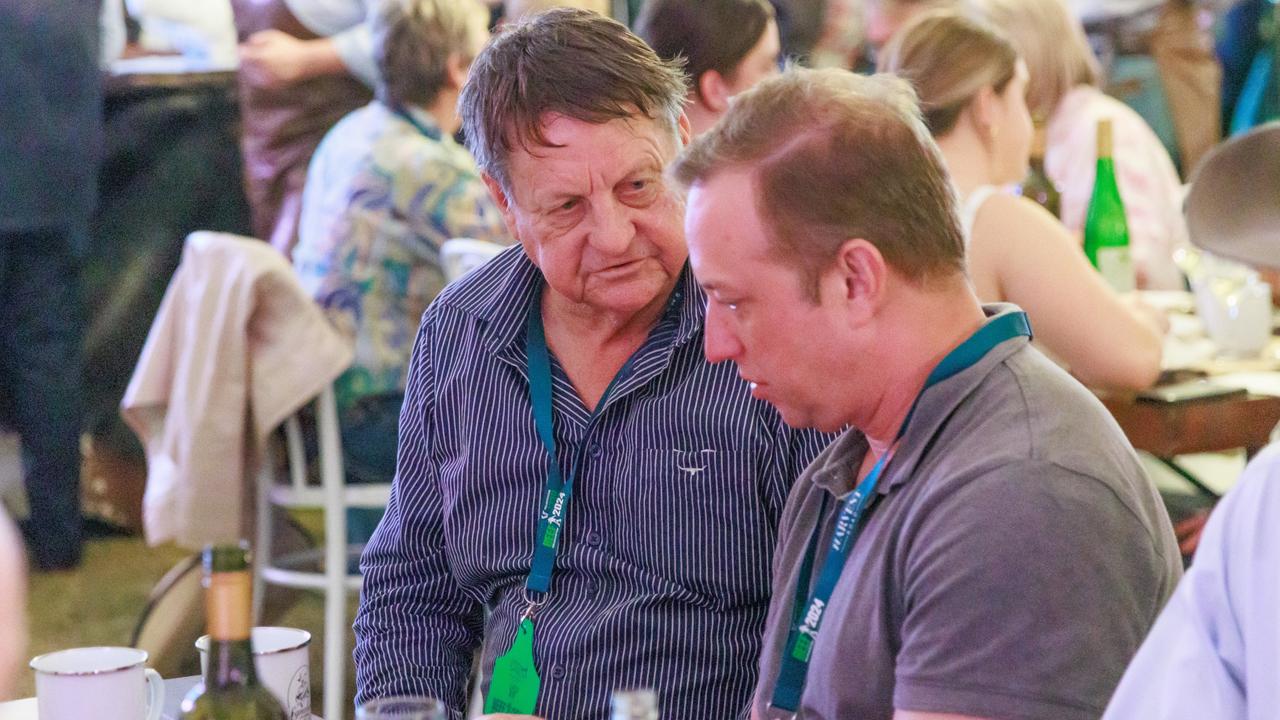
x: 1007, y: 218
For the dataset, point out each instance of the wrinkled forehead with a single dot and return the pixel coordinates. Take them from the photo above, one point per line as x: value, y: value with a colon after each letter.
x: 618, y: 146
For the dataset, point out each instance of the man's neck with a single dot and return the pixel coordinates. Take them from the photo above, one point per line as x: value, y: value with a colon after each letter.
x: 593, y: 346
x: 443, y: 110
x: 920, y: 332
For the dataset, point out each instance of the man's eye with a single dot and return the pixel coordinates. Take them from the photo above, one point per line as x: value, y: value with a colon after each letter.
x: 568, y: 204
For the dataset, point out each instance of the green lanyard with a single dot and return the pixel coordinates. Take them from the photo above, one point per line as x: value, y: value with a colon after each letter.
x: 558, y: 492
x: 515, y: 683
x: 794, y: 668
x: 430, y: 132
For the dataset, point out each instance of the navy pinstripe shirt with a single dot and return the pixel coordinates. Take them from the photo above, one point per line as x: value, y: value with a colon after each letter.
x: 663, y: 575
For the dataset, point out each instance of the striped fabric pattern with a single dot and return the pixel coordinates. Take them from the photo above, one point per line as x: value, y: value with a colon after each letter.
x: 662, y: 580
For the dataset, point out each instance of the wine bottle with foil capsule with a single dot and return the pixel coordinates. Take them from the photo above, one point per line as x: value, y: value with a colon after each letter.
x: 1106, y: 231
x: 230, y: 689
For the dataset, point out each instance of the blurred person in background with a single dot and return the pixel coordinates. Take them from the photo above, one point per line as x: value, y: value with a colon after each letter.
x: 304, y: 64
x: 50, y: 142
x: 386, y: 188
x: 882, y: 18
x: 1063, y: 91
x: 727, y: 46
x: 1178, y: 35
x: 13, y: 605
x: 972, y: 86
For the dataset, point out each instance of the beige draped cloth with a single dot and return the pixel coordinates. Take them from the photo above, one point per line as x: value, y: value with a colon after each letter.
x: 236, y: 348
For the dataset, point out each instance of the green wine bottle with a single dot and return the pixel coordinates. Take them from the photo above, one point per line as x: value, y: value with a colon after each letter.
x: 1106, y: 232
x: 230, y: 689
x: 1037, y: 186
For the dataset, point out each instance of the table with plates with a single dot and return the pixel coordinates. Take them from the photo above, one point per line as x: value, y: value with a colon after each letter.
x: 1166, y: 430
x: 174, y: 691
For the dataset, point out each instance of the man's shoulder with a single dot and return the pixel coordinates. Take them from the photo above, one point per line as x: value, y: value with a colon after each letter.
x: 1051, y: 416
x: 493, y: 289
x: 1030, y: 425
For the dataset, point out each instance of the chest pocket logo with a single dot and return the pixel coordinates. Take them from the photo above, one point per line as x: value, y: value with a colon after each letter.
x: 693, y: 462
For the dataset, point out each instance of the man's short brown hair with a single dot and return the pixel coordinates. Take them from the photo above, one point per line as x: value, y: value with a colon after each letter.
x: 837, y: 156
x: 567, y: 62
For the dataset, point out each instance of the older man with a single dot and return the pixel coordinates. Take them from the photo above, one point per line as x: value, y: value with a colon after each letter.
x: 569, y: 461
x: 984, y: 543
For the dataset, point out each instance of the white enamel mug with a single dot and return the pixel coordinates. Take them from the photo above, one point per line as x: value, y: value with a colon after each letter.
x: 103, y: 683
x: 282, y: 660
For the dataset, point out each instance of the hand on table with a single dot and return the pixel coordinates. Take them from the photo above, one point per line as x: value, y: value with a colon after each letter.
x: 1153, y: 316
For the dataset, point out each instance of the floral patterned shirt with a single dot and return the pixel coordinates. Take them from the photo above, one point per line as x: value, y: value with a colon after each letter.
x: 384, y: 190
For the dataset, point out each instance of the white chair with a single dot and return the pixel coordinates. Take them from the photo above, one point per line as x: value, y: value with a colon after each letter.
x: 460, y: 256
x: 334, y: 496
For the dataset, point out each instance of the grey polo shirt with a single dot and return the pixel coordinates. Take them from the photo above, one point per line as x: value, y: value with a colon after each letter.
x: 1013, y: 563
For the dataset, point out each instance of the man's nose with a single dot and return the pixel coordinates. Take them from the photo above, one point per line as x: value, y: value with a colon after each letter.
x: 612, y: 227
x: 719, y: 342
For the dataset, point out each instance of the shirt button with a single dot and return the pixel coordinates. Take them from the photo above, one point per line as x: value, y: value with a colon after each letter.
x: 592, y: 588
x: 595, y: 450
x: 558, y: 672
x: 594, y: 539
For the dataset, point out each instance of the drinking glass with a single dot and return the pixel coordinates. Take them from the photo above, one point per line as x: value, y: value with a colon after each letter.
x: 402, y: 708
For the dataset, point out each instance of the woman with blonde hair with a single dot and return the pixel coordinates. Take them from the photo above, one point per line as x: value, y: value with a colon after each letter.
x: 971, y: 85
x: 1063, y: 91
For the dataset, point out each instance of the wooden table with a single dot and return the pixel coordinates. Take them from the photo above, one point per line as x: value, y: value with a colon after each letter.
x: 1167, y: 430
x: 174, y: 691
x: 1170, y: 429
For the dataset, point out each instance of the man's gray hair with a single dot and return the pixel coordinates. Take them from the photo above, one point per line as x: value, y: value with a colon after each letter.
x: 413, y: 41
x: 567, y: 62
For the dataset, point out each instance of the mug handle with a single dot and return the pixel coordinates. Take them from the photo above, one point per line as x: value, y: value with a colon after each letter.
x: 155, y: 694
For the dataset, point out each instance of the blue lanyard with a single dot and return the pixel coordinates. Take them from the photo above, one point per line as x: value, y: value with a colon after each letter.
x: 558, y: 492
x: 794, y: 667
x: 429, y: 132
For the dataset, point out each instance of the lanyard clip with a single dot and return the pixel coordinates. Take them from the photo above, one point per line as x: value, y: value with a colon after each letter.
x: 534, y: 601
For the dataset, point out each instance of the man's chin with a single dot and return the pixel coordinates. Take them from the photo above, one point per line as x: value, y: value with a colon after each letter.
x: 801, y: 420
x: 630, y: 296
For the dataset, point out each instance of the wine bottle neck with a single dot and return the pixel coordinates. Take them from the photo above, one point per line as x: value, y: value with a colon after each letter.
x: 1105, y: 146
x: 228, y: 602
x: 230, y: 664
x: 228, y: 605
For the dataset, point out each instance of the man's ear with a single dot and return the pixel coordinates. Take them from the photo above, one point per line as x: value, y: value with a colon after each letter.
x: 985, y: 113
x: 503, y: 202
x: 713, y: 91
x: 685, y: 129
x: 862, y: 272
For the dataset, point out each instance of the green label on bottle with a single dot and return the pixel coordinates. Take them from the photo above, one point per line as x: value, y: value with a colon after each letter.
x: 1116, y: 266
x: 515, y: 682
